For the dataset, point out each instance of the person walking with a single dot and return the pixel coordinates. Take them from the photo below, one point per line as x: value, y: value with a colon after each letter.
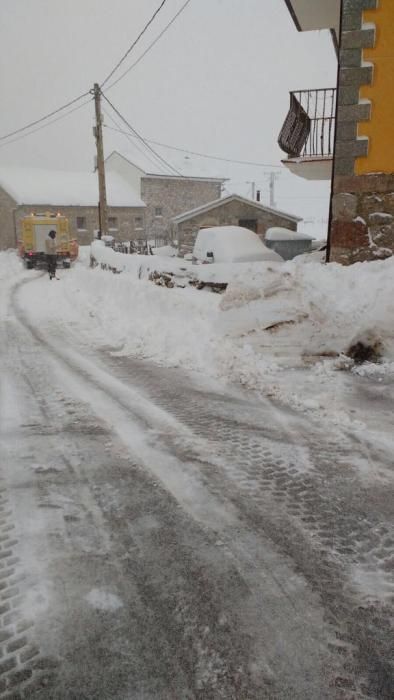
x: 50, y: 246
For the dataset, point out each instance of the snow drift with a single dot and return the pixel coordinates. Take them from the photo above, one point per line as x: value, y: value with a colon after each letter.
x: 301, y: 310
x: 271, y: 316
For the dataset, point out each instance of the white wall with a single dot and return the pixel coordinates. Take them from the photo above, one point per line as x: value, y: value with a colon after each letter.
x: 129, y: 172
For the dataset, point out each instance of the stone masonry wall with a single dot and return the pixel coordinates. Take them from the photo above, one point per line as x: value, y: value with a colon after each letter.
x: 174, y: 196
x: 352, y: 75
x: 7, y: 226
x: 362, y: 206
x: 128, y: 229
x: 362, y: 218
x: 229, y: 214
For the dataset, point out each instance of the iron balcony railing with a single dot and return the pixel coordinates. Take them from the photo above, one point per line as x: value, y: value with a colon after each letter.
x: 309, y: 127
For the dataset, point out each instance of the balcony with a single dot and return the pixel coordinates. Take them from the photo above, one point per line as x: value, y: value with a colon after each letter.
x: 315, y: 14
x: 308, y: 133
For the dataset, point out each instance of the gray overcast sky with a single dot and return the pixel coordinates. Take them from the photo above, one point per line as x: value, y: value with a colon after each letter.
x: 217, y: 82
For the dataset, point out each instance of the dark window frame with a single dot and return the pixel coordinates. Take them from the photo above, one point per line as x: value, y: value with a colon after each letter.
x: 115, y: 223
x: 81, y: 226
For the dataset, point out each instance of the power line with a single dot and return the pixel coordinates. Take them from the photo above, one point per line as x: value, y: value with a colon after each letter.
x: 205, y: 155
x: 47, y: 116
x: 129, y: 138
x: 163, y: 160
x: 151, y: 45
x: 135, y: 42
x: 76, y: 99
x: 303, y: 196
x: 43, y: 126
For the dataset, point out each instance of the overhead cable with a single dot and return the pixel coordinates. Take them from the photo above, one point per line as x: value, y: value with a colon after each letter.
x: 135, y: 42
x: 141, y: 138
x: 45, y: 117
x: 151, y: 45
x: 43, y: 126
x: 130, y: 138
x: 205, y: 155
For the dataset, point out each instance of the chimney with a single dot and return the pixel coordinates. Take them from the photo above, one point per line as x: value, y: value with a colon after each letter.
x: 258, y: 196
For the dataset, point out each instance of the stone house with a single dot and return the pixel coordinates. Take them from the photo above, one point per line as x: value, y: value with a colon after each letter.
x: 233, y: 210
x: 141, y: 205
x: 25, y: 190
x: 164, y: 196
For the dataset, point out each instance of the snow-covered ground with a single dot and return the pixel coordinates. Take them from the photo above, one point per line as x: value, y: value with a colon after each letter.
x: 238, y: 518
x: 273, y: 321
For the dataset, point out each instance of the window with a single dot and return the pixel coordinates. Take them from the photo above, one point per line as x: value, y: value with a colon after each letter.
x: 81, y: 223
x: 113, y: 222
x: 138, y: 223
x: 158, y: 211
x: 251, y: 224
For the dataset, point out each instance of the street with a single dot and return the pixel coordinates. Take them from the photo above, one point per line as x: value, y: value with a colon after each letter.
x: 164, y: 536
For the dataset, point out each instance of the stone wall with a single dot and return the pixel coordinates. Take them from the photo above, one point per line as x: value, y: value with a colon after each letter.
x: 174, y: 196
x: 7, y: 224
x: 362, y: 218
x: 127, y: 227
x: 228, y: 214
x: 352, y: 75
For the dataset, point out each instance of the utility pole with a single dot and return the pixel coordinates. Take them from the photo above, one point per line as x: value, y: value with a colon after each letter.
x: 249, y: 182
x: 272, y: 179
x: 98, y: 132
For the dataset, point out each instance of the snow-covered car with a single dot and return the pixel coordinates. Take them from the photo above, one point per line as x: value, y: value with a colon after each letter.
x: 231, y: 244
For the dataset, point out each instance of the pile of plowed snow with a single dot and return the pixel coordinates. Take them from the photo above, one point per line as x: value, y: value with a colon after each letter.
x: 271, y: 316
x: 299, y: 310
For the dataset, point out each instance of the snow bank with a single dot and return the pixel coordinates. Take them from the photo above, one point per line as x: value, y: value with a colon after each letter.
x: 316, y: 256
x: 272, y: 316
x: 166, y: 250
x: 11, y: 268
x: 300, y: 310
x: 139, y: 266
x: 132, y: 316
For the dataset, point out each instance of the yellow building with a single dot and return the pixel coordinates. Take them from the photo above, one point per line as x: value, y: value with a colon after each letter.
x: 354, y: 139
x: 380, y: 128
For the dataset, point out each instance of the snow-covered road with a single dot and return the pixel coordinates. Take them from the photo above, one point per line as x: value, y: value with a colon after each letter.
x: 175, y: 538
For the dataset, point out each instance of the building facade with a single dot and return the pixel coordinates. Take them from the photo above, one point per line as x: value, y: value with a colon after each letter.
x: 8, y: 235
x: 164, y: 196
x: 73, y: 194
x: 83, y: 221
x: 352, y: 141
x: 140, y: 205
x: 362, y: 212
x: 233, y: 210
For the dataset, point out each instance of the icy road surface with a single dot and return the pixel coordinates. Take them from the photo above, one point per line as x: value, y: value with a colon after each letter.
x: 166, y: 538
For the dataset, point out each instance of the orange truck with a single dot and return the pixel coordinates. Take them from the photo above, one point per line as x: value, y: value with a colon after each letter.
x: 34, y: 233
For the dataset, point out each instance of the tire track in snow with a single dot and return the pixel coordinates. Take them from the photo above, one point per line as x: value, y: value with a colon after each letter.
x: 98, y: 388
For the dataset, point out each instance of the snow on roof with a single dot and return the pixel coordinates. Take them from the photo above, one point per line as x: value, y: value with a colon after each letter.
x: 277, y: 233
x: 232, y: 197
x: 149, y: 168
x: 64, y: 188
